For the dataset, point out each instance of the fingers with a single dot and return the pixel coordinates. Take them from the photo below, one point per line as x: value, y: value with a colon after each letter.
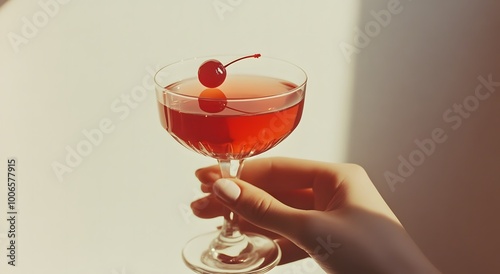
x: 258, y: 207
x: 284, y: 173
x: 207, y: 207
x: 207, y: 177
x: 280, y: 188
x: 210, y: 207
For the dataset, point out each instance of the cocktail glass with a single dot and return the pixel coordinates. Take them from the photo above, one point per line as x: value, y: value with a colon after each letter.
x: 259, y: 104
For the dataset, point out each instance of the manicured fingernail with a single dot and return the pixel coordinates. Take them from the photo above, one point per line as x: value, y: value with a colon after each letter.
x: 227, y: 190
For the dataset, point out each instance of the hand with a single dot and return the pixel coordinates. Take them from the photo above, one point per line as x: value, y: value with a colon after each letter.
x: 330, y: 212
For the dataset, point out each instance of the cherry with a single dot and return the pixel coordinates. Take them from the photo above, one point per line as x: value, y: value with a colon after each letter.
x: 212, y: 100
x: 212, y: 73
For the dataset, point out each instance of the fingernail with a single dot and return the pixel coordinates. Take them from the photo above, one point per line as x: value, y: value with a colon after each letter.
x: 227, y: 190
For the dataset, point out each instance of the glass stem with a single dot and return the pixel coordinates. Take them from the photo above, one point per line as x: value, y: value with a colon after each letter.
x: 230, y: 231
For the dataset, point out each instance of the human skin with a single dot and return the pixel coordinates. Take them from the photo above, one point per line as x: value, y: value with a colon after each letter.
x: 330, y: 212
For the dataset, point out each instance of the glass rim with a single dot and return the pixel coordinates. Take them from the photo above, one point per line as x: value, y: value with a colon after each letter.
x: 208, y: 57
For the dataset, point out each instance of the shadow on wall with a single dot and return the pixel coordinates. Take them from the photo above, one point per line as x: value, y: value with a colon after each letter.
x: 426, y: 123
x: 2, y: 2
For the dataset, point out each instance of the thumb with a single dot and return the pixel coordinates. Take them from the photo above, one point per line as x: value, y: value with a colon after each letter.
x: 257, y: 206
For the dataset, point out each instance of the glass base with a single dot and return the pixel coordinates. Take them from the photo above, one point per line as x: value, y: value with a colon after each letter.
x: 250, y: 253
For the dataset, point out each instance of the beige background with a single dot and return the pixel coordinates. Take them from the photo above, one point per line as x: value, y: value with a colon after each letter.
x: 123, y: 208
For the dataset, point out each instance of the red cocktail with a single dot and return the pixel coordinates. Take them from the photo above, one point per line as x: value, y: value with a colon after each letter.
x: 250, y: 110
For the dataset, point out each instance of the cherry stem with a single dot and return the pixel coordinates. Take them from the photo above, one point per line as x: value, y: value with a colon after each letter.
x: 245, y: 57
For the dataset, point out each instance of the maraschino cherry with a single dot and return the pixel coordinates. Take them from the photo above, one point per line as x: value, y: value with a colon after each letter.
x: 212, y: 73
